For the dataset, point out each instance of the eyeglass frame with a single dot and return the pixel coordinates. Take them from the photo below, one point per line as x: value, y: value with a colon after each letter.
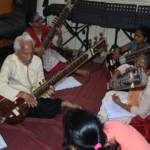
x: 38, y: 20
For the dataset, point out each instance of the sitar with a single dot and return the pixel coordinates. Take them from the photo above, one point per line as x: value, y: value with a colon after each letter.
x: 15, y: 112
x: 133, y: 78
x: 58, y: 22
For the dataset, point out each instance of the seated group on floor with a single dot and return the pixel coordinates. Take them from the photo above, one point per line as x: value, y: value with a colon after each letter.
x: 22, y: 71
x: 128, y: 101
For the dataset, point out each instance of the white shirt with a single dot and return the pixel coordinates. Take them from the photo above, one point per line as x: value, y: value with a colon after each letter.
x: 16, y: 77
x: 50, y: 57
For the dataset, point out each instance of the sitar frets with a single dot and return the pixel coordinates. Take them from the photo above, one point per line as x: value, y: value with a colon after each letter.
x: 59, y: 21
x: 131, y: 56
x: 66, y: 71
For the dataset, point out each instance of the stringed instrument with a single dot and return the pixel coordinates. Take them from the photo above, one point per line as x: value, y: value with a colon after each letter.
x: 58, y: 22
x: 112, y: 64
x: 131, y: 79
x: 15, y: 112
x: 66, y: 53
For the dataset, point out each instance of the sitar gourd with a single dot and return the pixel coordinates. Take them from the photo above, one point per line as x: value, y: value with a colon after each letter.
x: 131, y: 79
x: 15, y: 112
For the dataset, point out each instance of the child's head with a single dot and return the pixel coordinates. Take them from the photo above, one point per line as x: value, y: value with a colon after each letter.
x: 82, y: 131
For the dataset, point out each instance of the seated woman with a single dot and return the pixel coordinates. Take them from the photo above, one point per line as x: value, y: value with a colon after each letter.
x: 52, y: 60
x: 84, y: 131
x: 140, y: 41
x: 138, y: 98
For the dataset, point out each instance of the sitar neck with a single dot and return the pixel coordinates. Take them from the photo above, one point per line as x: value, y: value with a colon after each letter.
x: 58, y: 21
x: 65, y: 72
x: 70, y: 68
x: 133, y: 55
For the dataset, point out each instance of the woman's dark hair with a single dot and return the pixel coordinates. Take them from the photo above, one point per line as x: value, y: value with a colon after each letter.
x: 83, y: 130
x: 30, y: 17
x: 145, y: 32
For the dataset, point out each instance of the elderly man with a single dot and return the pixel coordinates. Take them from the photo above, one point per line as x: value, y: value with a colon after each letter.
x: 20, y: 75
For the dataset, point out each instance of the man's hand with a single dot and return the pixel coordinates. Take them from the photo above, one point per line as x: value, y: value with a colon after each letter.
x: 116, y: 99
x: 29, y: 99
x: 39, y: 51
x: 51, y: 90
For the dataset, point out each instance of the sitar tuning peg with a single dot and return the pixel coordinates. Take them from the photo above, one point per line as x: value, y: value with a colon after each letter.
x: 90, y: 43
x: 95, y: 40
x: 40, y: 83
x: 55, y: 20
x: 101, y: 35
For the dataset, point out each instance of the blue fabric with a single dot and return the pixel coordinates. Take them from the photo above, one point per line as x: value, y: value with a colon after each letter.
x: 133, y: 46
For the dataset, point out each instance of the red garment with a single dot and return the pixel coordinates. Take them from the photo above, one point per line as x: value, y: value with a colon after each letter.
x: 45, y: 29
x: 54, y: 70
x: 142, y: 125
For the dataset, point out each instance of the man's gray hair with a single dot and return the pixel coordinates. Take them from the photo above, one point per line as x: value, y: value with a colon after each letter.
x: 22, y: 37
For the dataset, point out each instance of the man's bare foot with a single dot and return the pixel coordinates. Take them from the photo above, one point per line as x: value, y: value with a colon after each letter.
x: 83, y: 73
x: 70, y: 105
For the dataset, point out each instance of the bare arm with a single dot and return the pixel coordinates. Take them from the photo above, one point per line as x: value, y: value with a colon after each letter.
x: 121, y: 50
x: 114, y: 77
x: 144, y: 103
x: 116, y: 99
x: 125, y: 48
x: 29, y: 99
